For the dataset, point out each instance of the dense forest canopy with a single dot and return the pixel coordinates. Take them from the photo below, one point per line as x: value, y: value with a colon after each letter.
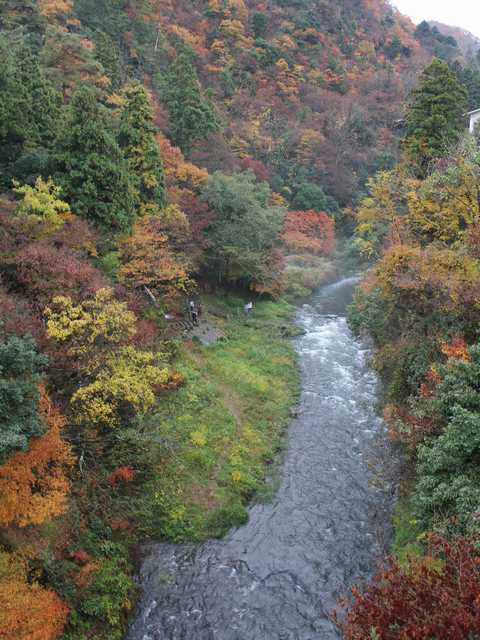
x: 152, y: 147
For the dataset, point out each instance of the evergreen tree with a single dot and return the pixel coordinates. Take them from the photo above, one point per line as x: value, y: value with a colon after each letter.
x: 469, y: 76
x: 91, y: 168
x: 30, y: 110
x: 192, y: 116
x: 107, y: 52
x: 20, y: 365
x: 435, y: 120
x: 137, y: 139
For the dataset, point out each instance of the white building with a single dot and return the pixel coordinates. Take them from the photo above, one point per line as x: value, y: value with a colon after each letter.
x: 474, y: 119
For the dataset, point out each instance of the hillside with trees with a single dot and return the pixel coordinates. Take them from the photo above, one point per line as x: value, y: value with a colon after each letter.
x: 153, y: 149
x: 419, y: 303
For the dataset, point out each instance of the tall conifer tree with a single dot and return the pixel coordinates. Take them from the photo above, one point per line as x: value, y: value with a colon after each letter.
x: 192, y: 116
x: 435, y: 117
x: 137, y: 140
x: 91, y: 167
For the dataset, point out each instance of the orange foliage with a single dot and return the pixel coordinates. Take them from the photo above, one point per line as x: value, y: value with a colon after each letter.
x: 309, y: 231
x: 406, y: 427
x: 180, y: 173
x: 456, y: 349
x: 33, y: 484
x: 427, y: 389
x: 28, y: 611
x: 150, y: 261
x: 122, y: 474
x: 55, y: 7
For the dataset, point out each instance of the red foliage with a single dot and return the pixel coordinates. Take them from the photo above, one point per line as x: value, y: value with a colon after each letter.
x: 407, y: 427
x: 435, y: 597
x: 309, y: 231
x: 81, y: 557
x: 199, y: 215
x: 259, y: 169
x: 46, y: 271
x: 119, y: 524
x: 122, y: 474
x: 18, y: 318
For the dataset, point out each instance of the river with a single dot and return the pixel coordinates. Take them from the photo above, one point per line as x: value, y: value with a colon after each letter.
x: 328, y: 526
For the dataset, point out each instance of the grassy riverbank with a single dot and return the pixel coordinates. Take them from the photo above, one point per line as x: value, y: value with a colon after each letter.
x: 198, y: 460
x: 223, y: 429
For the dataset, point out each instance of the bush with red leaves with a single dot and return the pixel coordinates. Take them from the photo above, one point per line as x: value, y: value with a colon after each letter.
x: 122, y: 474
x: 437, y: 597
x: 45, y: 271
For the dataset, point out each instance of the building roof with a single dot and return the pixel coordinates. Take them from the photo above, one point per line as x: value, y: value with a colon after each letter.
x: 471, y: 113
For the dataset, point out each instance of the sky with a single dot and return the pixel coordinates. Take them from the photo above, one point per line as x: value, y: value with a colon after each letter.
x: 458, y: 13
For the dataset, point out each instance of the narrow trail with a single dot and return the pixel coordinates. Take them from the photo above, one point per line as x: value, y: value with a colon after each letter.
x: 278, y: 577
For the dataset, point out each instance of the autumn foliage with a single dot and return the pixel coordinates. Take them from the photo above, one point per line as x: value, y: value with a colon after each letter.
x: 28, y: 611
x: 309, y: 231
x: 33, y: 484
x: 435, y: 597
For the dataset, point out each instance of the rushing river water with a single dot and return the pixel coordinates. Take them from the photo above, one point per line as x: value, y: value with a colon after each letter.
x: 278, y: 577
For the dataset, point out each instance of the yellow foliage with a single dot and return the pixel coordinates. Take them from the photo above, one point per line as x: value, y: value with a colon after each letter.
x: 238, y: 9
x: 445, y: 204
x: 91, y: 327
x: 285, y: 42
x: 235, y: 31
x: 277, y: 200
x: 378, y: 211
x: 288, y: 78
x: 41, y: 208
x: 310, y: 141
x: 124, y: 387
x: 199, y: 438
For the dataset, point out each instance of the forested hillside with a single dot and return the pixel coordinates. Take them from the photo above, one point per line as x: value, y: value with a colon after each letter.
x: 420, y: 304
x: 150, y: 150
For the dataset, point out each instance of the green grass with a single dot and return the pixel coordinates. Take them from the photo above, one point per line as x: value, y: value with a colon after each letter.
x: 408, y: 534
x: 223, y: 429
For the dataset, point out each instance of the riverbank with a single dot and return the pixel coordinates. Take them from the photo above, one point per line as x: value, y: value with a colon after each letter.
x: 284, y: 571
x: 223, y: 429
x: 188, y: 470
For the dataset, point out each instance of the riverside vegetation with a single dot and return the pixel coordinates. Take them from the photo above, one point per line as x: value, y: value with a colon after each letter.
x: 149, y: 150
x: 420, y: 304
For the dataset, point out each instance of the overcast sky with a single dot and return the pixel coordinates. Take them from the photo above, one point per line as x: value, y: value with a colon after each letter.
x: 458, y: 13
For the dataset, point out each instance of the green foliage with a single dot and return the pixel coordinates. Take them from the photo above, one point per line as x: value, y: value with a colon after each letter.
x: 448, y: 487
x: 20, y: 368
x: 408, y: 534
x: 469, y: 76
x: 434, y: 120
x: 109, y: 595
x: 192, y: 116
x: 29, y: 112
x: 245, y: 229
x: 107, y: 53
x: 90, y: 167
x: 441, y: 46
x: 137, y: 140
x: 310, y: 196
x: 260, y: 25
